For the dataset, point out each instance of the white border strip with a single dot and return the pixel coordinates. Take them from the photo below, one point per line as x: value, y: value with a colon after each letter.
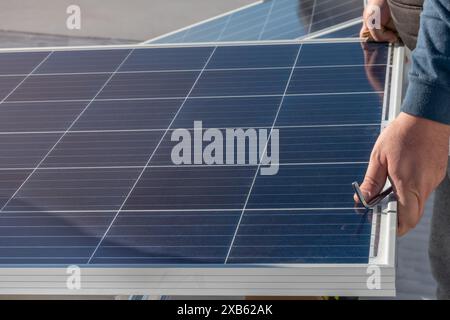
x: 180, y: 45
x: 388, y: 213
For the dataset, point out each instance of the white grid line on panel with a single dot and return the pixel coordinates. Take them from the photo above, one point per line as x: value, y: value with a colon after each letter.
x: 186, y: 70
x: 180, y: 166
x: 198, y: 97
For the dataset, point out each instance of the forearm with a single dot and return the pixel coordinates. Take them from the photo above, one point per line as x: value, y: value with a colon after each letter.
x: 428, y: 94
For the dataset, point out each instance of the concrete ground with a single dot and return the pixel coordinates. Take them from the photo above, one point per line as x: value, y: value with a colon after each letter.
x: 11, y: 39
x: 137, y: 20
x: 414, y: 280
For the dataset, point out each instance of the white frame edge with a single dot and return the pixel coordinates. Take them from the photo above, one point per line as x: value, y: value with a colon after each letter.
x: 179, y: 45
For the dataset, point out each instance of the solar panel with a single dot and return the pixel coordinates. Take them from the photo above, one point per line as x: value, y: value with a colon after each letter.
x: 269, y: 20
x: 87, y: 178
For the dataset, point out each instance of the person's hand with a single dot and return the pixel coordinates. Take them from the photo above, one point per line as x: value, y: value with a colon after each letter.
x: 413, y: 153
x: 387, y: 33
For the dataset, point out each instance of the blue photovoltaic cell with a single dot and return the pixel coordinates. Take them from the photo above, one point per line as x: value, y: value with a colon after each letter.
x: 25, y: 150
x: 229, y: 112
x: 8, y: 83
x: 336, y: 54
x: 270, y: 20
x: 10, y: 180
x: 241, y: 82
x: 59, y: 87
x: 348, y: 32
x: 301, y: 236
x: 252, y: 57
x: 20, y: 62
x: 335, y: 80
x: 307, y: 186
x: 327, y: 144
x: 167, y: 59
x: 43, y: 116
x: 128, y: 115
x: 149, y: 85
x: 331, y: 109
x: 92, y: 181
x: 202, y: 188
x: 74, y: 189
x: 330, y: 13
x: 60, y: 231
x: 202, y: 237
x: 82, y: 61
x: 104, y: 149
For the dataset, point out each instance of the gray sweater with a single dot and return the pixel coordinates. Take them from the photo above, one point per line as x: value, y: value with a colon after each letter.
x: 428, y: 94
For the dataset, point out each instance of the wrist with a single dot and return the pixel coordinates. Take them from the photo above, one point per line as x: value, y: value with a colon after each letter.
x: 437, y: 129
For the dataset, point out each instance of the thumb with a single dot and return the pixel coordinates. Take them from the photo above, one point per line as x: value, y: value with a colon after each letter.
x: 410, y: 208
x: 364, y: 32
x: 374, y: 180
x: 383, y: 35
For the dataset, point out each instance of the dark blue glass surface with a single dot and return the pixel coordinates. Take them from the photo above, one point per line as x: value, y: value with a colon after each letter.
x: 178, y: 187
x: 229, y: 112
x: 139, y: 236
x: 167, y: 59
x: 39, y: 116
x: 241, y: 82
x: 25, y: 150
x: 271, y: 20
x: 10, y: 180
x: 93, y: 190
x: 303, y: 236
x: 331, y: 109
x: 128, y: 115
x: 149, y: 85
x: 335, y: 80
x: 348, y: 32
x: 74, y: 190
x: 83, y: 61
x: 307, y: 186
x: 59, y: 87
x: 328, y: 13
x: 341, y: 54
x: 253, y: 57
x: 8, y: 84
x: 327, y: 144
x: 51, y: 237
x: 90, y: 149
x: 20, y: 63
